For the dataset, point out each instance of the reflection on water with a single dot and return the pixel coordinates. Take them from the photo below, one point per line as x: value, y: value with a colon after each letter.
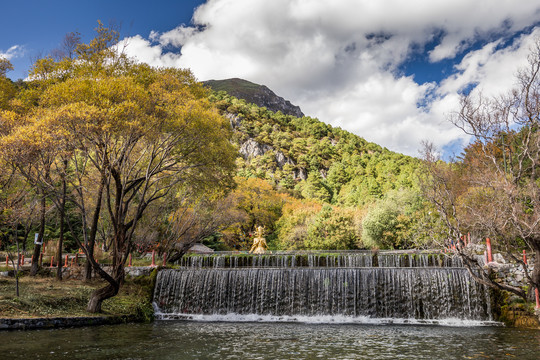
x: 220, y: 340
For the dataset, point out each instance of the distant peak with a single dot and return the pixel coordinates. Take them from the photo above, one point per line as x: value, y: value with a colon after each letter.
x: 259, y: 95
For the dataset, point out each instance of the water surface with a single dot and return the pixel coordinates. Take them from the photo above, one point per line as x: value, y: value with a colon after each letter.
x: 231, y: 340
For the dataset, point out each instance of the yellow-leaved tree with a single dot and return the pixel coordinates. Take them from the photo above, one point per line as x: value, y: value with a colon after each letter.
x: 118, y: 136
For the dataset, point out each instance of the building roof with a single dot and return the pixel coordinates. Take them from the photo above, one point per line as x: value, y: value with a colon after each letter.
x: 199, y: 248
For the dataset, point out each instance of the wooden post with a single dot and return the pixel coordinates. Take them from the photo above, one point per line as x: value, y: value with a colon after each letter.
x: 22, y: 259
x: 41, y: 259
x: 129, y: 260
x: 52, y: 260
x: 537, y: 298
x: 153, y: 258
x: 77, y: 259
x: 164, y: 259
x: 66, y: 263
x: 524, y: 257
x: 488, y: 247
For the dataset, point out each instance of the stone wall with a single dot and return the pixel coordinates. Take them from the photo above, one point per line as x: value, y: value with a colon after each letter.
x: 77, y: 272
x: 510, y: 273
x: 512, y: 311
x: 54, y: 323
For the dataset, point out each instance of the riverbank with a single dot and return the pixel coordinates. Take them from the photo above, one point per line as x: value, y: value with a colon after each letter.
x: 64, y: 322
x: 44, y: 302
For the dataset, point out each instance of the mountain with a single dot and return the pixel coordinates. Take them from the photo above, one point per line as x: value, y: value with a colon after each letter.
x: 312, y: 185
x: 306, y: 155
x: 256, y: 94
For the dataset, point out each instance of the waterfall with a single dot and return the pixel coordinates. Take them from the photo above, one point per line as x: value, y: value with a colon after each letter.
x: 339, y: 289
x: 345, y: 260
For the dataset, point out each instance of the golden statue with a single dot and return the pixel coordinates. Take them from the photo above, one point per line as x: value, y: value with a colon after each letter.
x: 259, y: 242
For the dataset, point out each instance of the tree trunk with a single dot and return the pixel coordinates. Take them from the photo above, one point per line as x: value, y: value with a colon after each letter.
x: 116, y: 278
x: 177, y: 254
x: 110, y: 290
x: 16, y: 263
x: 61, y: 239
x: 100, y: 295
x: 25, y: 237
x: 37, y: 248
x: 88, y: 268
x: 93, y: 232
x: 35, y: 259
x: 536, y: 272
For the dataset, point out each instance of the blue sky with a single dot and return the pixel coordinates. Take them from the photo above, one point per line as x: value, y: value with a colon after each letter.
x: 37, y: 26
x: 390, y: 71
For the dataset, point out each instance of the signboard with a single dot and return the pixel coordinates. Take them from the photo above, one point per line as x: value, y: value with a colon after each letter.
x: 36, y: 240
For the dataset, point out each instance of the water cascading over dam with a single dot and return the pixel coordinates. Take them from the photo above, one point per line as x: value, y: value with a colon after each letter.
x: 357, y: 287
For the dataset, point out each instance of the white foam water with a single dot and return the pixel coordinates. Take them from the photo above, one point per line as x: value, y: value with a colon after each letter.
x: 323, y: 319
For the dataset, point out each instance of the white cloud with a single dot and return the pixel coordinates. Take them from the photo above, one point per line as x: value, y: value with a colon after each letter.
x: 339, y: 59
x: 384, y: 109
x: 491, y: 68
x: 143, y: 50
x: 11, y: 53
x: 176, y: 37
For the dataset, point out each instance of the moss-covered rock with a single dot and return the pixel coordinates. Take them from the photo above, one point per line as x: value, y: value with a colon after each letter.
x: 519, y: 315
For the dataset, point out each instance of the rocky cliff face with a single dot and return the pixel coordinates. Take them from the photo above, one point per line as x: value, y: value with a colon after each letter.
x: 271, y: 101
x: 259, y: 95
x: 252, y: 148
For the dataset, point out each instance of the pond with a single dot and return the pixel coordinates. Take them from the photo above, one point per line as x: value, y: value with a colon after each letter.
x: 252, y: 340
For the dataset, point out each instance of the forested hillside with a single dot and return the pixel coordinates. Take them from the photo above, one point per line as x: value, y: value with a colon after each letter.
x: 320, y: 161
x: 338, y: 191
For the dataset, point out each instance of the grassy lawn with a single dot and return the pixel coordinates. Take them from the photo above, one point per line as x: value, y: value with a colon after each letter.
x: 47, y: 297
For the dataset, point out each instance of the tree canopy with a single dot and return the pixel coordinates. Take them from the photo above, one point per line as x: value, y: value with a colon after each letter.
x: 100, y: 131
x: 494, y: 189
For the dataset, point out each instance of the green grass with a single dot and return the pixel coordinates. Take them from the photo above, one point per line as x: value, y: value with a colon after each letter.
x: 47, y: 297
